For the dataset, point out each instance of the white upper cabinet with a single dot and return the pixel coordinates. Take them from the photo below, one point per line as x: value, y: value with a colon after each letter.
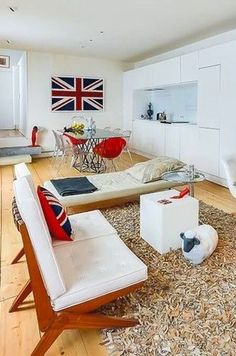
x: 189, y: 67
x: 212, y: 56
x: 166, y: 72
x: 209, y: 97
x: 143, y: 77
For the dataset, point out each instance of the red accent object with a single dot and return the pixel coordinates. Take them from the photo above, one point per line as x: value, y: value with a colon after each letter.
x: 110, y: 148
x: 75, y: 141
x: 34, y: 135
x: 53, y: 222
x: 182, y: 193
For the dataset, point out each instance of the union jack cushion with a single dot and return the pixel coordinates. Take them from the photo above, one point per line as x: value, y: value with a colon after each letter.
x: 55, y: 215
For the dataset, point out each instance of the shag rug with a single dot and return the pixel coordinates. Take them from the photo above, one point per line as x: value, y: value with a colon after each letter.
x: 182, y: 309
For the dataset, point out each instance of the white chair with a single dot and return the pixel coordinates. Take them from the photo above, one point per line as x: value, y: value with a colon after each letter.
x: 229, y: 164
x: 71, y: 280
x: 117, y: 130
x: 57, y: 146
x: 107, y: 128
x: 126, y: 135
x: 64, y: 149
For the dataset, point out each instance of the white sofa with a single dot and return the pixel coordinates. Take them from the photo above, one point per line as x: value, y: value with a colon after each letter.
x: 96, y: 263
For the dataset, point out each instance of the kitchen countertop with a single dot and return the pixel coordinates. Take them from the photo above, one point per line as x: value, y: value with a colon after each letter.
x: 172, y: 123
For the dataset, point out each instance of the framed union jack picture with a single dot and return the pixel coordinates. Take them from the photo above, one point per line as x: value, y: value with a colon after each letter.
x: 75, y: 94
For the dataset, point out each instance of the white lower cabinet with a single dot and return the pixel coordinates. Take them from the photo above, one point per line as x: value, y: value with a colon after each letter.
x: 172, y: 144
x: 148, y: 137
x: 208, y: 150
x: 189, y: 144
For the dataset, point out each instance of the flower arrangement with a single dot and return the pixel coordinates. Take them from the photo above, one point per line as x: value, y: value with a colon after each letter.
x: 76, y: 128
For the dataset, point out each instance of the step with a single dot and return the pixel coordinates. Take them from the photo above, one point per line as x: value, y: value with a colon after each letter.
x: 21, y: 150
x: 11, y: 160
x: 14, y: 141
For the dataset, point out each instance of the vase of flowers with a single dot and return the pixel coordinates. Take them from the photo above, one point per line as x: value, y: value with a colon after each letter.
x: 76, y: 128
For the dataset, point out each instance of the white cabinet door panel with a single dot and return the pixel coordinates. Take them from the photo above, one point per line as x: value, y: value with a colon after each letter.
x: 208, y: 151
x: 212, y: 56
x: 141, y: 136
x: 148, y: 137
x: 189, y: 67
x: 143, y: 77
x: 209, y: 108
x: 166, y: 72
x: 158, y: 140
x: 172, y: 142
x: 189, y: 144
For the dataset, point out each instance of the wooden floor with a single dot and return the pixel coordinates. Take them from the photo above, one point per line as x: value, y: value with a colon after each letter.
x: 19, y: 332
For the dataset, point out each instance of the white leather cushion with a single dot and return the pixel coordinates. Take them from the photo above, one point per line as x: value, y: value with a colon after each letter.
x: 95, y: 267
x: 88, y: 225
x: 21, y: 170
x: 153, y: 169
x: 40, y: 238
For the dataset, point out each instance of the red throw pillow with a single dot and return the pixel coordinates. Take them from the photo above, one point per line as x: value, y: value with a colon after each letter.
x: 55, y: 215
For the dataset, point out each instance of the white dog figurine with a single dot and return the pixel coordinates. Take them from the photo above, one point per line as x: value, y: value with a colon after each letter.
x: 198, y: 244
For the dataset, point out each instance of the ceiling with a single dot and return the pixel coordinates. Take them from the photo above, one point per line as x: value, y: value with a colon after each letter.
x: 132, y: 29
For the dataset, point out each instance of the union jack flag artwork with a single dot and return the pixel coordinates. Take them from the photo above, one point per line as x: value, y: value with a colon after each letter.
x: 75, y: 94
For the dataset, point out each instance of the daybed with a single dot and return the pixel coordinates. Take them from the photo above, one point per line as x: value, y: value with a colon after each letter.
x: 113, y: 188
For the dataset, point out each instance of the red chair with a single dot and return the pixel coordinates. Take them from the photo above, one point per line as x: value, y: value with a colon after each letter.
x: 110, y: 148
x: 75, y: 141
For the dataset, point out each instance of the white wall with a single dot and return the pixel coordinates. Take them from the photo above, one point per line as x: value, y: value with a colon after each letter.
x: 6, y: 99
x: 41, y: 66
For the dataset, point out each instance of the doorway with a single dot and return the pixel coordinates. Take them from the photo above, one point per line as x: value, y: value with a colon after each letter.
x: 13, y: 91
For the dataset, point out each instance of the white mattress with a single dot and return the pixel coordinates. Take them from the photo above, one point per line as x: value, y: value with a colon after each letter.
x: 110, y: 186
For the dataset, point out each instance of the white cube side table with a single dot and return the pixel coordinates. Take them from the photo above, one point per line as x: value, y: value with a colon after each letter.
x: 161, y: 225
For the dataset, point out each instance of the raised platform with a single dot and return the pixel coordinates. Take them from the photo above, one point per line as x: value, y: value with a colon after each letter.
x: 10, y: 160
x: 20, y: 150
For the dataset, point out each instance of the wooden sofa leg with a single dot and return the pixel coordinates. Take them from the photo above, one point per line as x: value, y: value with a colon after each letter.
x: 26, y: 290
x: 47, y: 339
x: 65, y: 320
x: 18, y: 256
x: 96, y: 321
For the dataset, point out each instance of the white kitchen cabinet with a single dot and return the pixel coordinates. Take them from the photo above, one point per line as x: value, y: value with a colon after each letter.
x: 142, y: 136
x: 189, y: 144
x: 143, y: 77
x: 209, y: 108
x: 148, y: 137
x: 208, y: 151
x: 157, y: 143
x: 172, y: 141
x: 166, y: 72
x: 212, y: 55
x: 189, y: 67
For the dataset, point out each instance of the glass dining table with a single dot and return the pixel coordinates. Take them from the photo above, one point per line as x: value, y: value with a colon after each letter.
x: 92, y: 162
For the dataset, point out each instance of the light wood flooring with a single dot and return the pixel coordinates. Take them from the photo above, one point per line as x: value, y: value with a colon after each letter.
x: 19, y: 331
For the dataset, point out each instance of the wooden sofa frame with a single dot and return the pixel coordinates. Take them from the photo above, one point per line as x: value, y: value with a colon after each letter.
x: 52, y: 323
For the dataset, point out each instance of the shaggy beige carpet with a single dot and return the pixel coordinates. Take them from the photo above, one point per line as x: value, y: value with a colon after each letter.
x: 183, y: 310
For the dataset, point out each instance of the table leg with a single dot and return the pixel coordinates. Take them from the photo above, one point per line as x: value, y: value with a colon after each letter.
x: 191, y: 189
